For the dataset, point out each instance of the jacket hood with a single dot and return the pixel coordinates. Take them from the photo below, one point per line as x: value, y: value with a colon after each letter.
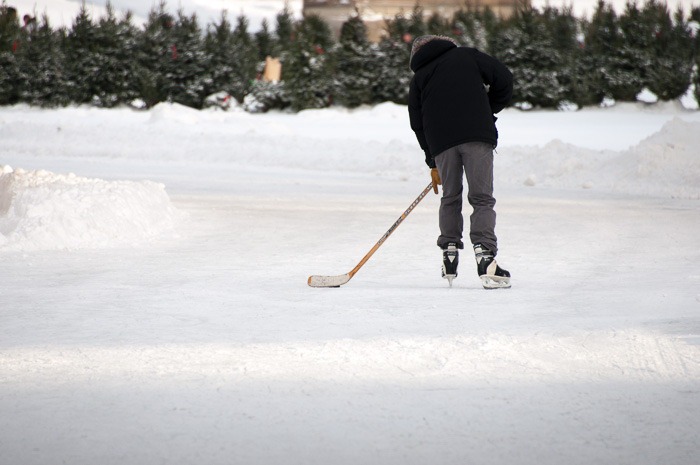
x: 426, y: 48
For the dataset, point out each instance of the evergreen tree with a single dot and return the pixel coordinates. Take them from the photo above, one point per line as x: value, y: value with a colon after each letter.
x: 117, y: 42
x: 245, y: 58
x: 672, y: 54
x: 9, y: 28
x: 416, y: 24
x: 437, y: 25
x: 628, y: 74
x: 306, y: 69
x: 10, y: 75
x: 284, y: 38
x: 527, y: 48
x: 491, y: 23
x: 354, y: 65
x: 392, y: 72
x: 284, y: 32
x: 188, y: 75
x: 469, y: 29
x: 83, y: 64
x: 157, y: 50
x: 219, y: 48
x: 99, y: 59
x: 563, y: 28
x: 42, y: 62
x: 602, y: 40
x: 264, y: 41
x: 397, y: 29
x: 10, y: 78
x: 265, y: 95
x: 694, y: 26
x: 316, y: 31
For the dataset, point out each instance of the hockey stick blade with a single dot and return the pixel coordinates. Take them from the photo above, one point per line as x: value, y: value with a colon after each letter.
x: 329, y: 281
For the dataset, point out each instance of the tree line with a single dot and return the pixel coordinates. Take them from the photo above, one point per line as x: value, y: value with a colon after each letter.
x: 556, y: 58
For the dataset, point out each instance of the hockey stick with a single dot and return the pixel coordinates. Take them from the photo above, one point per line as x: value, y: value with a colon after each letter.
x: 337, y: 281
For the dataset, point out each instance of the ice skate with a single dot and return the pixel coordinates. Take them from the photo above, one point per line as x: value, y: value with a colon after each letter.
x: 450, y: 260
x: 492, y: 276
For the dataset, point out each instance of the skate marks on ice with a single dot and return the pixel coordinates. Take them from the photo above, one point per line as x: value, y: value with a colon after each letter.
x: 631, y: 355
x: 587, y: 397
x: 687, y: 330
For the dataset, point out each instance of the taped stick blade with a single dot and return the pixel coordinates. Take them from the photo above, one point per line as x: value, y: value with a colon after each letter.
x: 329, y: 281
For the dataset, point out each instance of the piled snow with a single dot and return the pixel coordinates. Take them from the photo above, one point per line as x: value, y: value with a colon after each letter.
x: 665, y: 164
x: 43, y: 210
x: 603, y: 149
x: 688, y: 101
x: 647, y: 96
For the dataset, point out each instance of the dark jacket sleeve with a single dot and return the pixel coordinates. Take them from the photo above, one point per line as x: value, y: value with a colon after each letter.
x: 415, y: 114
x: 499, y: 79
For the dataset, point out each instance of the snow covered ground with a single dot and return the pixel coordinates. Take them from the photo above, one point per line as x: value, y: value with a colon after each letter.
x: 154, y: 306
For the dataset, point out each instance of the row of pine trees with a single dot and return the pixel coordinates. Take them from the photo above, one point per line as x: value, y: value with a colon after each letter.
x: 556, y: 58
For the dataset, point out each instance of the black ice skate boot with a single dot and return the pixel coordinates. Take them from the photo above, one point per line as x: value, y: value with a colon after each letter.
x: 450, y: 260
x: 492, y: 276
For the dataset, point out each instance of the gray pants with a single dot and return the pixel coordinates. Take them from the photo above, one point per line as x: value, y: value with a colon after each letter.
x: 475, y: 159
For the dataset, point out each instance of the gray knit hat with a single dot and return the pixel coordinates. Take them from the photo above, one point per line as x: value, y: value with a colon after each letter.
x: 422, y: 40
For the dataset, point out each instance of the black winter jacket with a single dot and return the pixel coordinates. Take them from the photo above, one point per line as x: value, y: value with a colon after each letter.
x: 448, y: 102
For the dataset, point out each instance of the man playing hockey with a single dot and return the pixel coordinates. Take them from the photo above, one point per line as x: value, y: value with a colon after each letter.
x: 454, y: 95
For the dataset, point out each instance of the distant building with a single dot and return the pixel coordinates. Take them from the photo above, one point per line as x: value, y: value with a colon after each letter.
x: 375, y: 12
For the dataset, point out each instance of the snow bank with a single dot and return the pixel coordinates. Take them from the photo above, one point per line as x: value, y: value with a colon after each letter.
x: 631, y: 148
x: 40, y: 210
x: 665, y: 164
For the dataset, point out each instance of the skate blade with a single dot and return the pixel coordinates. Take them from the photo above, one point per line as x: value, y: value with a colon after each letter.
x: 450, y: 278
x: 495, y: 282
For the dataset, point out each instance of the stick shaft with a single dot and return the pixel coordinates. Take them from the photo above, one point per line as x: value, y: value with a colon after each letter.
x: 391, y: 229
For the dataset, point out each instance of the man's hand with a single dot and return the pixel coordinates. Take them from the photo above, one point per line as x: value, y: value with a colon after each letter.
x: 435, y: 176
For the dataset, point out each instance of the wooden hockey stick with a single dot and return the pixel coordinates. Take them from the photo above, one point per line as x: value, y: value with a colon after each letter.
x: 339, y: 280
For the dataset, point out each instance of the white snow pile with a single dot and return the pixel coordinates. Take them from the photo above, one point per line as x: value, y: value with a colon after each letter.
x: 665, y: 164
x: 41, y: 210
